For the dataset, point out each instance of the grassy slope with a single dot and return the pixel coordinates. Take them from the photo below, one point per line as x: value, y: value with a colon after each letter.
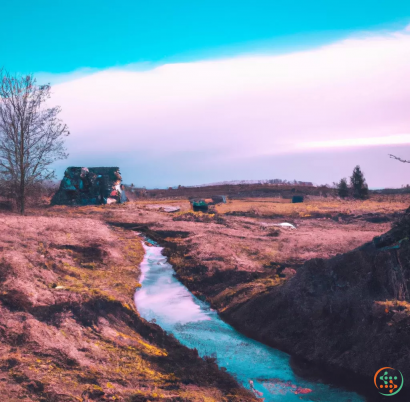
x: 332, y: 311
x: 68, y: 327
x: 73, y: 301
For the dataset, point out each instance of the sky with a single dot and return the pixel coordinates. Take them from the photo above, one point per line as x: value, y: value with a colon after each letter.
x: 193, y: 92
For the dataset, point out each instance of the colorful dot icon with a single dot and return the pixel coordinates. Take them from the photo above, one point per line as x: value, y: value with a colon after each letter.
x: 385, y: 381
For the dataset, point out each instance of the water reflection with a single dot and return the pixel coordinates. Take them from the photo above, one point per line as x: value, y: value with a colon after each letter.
x: 258, y: 367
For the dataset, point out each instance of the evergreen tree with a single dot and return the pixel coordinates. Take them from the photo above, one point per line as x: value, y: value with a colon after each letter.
x: 358, y: 184
x: 342, y: 188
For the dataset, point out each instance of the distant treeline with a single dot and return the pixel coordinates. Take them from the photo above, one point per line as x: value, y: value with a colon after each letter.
x: 403, y: 190
x: 233, y: 191
x: 270, y: 181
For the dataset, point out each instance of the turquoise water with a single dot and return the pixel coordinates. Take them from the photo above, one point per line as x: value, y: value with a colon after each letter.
x: 164, y: 299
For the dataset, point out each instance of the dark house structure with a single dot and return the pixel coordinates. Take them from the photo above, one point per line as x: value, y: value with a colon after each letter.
x: 90, y: 186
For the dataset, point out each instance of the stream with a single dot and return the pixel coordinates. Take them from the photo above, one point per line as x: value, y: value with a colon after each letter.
x: 258, y: 367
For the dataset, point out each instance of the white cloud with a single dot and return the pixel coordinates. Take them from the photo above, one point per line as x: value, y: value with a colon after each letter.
x: 358, y: 142
x: 246, y: 106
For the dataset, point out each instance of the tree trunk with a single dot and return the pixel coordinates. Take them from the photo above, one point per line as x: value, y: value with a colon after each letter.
x: 22, y: 199
x: 22, y: 174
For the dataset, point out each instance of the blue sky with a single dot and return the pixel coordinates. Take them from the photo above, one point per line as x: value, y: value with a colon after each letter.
x: 62, y: 36
x: 189, y: 92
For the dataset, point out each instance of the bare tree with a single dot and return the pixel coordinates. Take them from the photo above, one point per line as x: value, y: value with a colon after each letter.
x: 31, y: 135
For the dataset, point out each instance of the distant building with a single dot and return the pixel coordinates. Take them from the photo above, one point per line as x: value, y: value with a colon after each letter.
x: 89, y: 186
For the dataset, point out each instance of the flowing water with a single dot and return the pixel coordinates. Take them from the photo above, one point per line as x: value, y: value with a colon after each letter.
x: 163, y: 298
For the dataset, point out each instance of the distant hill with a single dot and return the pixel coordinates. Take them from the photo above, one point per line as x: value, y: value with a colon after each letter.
x: 269, y: 181
x: 235, y: 190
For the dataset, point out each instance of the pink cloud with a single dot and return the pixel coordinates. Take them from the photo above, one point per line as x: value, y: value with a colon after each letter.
x: 247, y: 106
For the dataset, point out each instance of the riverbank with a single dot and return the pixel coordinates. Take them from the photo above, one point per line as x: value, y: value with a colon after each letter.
x: 326, y: 312
x: 235, y: 262
x: 68, y: 326
x: 346, y: 315
x: 264, y: 370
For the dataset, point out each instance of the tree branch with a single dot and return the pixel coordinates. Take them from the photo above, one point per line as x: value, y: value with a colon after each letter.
x: 399, y: 159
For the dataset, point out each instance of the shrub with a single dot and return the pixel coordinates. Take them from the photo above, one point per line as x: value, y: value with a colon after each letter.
x: 342, y: 188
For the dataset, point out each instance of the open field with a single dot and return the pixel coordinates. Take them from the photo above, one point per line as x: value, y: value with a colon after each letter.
x: 83, y: 269
x: 315, y: 206
x: 241, y: 234
x: 300, y: 290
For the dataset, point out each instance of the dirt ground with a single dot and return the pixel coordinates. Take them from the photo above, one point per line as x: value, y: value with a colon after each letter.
x: 68, y: 328
x: 242, y: 234
x: 332, y: 291
x: 67, y: 276
x: 240, y: 237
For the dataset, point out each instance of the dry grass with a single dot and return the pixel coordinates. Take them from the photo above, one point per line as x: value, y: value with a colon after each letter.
x: 68, y: 325
x: 231, y: 262
x: 64, y: 256
x: 271, y: 207
x: 183, y: 204
x: 245, y: 243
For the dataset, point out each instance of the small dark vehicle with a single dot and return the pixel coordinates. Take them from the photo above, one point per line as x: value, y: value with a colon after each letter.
x: 297, y: 198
